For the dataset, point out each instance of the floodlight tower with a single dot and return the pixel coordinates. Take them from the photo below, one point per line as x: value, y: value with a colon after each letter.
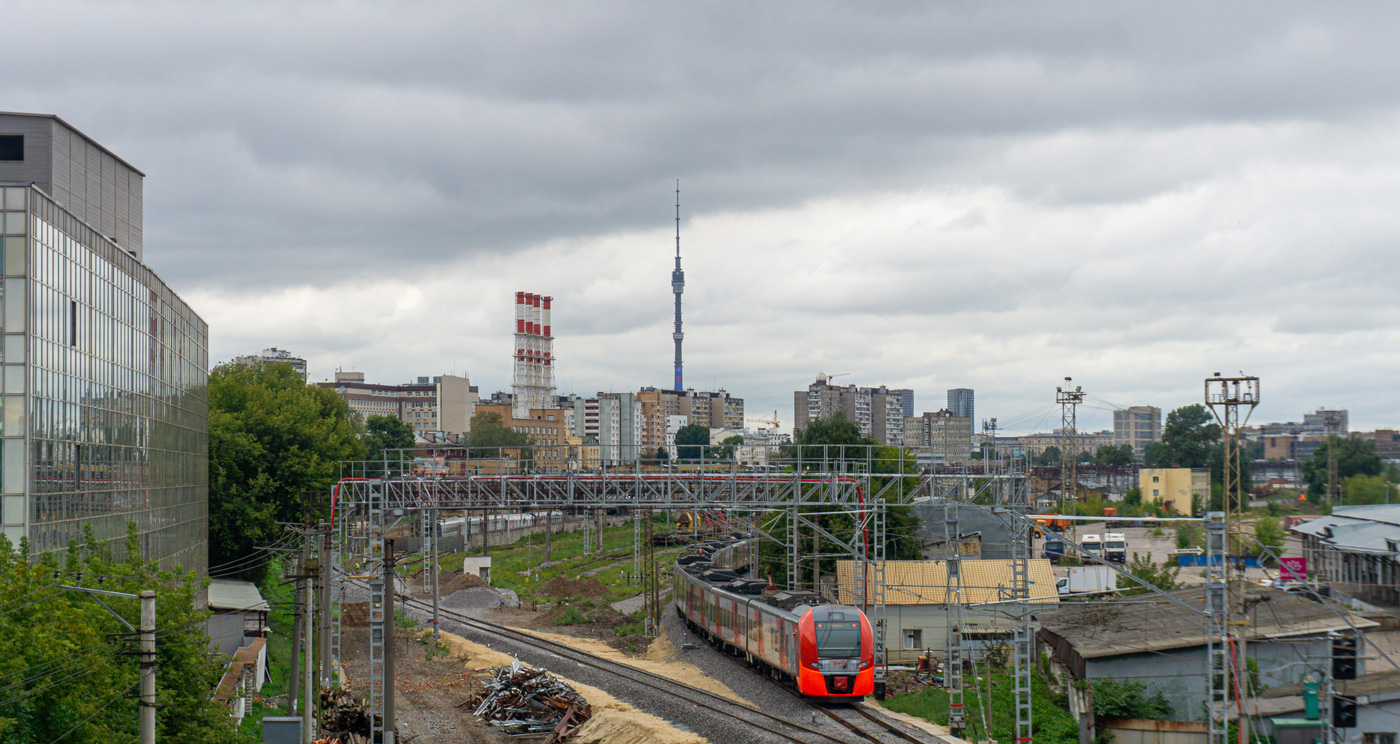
x: 1069, y: 438
x: 1226, y: 396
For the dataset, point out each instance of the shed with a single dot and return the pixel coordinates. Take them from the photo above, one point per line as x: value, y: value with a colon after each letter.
x: 1155, y: 640
x: 239, y: 615
x: 1377, y: 707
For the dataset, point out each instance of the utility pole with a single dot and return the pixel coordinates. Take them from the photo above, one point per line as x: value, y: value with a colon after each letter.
x: 311, y: 568
x: 323, y: 655
x: 298, y: 627
x: 148, y: 667
x: 390, y: 728
x: 437, y: 633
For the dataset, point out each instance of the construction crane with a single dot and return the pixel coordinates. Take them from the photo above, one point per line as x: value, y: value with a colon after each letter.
x: 823, y: 378
x: 772, y: 421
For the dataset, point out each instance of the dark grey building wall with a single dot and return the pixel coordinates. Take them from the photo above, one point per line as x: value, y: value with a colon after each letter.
x: 86, y: 179
x: 996, y: 533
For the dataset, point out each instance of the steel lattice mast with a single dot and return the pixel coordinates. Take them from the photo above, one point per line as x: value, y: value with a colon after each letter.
x: 678, y: 287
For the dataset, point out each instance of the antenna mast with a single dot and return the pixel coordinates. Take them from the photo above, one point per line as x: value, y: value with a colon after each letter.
x: 677, y: 287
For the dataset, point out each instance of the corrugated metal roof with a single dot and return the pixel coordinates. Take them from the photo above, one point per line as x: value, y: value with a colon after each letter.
x: 1354, y: 529
x: 925, y: 582
x: 235, y: 595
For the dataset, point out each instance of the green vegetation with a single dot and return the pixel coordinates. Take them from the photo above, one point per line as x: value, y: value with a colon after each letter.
x: 1049, y: 456
x: 403, y: 620
x: 66, y: 667
x: 490, y: 434
x: 1354, y: 457
x: 1189, y: 440
x: 1162, y: 576
x: 1268, y: 533
x: 1109, y: 454
x: 572, y: 616
x: 387, y: 433
x: 692, y: 440
x: 1128, y: 699
x: 1368, y: 489
x: 271, y: 437
x: 1052, y: 722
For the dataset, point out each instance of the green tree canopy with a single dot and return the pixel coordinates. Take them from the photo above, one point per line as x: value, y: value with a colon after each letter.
x: 271, y: 437
x: 386, y: 433
x: 831, y: 438
x: 1049, y: 456
x: 66, y: 663
x: 490, y: 434
x: 1189, y: 440
x: 1111, y: 454
x: 1368, y: 489
x: 727, y: 448
x: 691, y: 441
x: 1355, y: 456
x: 1268, y: 533
x: 1159, y: 575
x: 1128, y: 699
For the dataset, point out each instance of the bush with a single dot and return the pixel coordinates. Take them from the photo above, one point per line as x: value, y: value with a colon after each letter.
x: 571, y: 616
x: 1128, y: 699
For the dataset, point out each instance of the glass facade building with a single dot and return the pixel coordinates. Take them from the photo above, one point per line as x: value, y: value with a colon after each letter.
x: 104, y: 415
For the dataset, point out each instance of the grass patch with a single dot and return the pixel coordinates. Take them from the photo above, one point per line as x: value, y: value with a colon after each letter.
x: 403, y: 620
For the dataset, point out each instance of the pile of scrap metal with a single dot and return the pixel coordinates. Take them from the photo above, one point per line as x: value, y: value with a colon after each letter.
x: 522, y: 700
x: 343, y: 718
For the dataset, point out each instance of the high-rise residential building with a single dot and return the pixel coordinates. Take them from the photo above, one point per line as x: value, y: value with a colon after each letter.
x: 1137, y: 427
x: 441, y: 403
x: 105, y: 368
x: 906, y: 401
x: 717, y: 410
x: 960, y: 402
x: 533, y: 384
x: 877, y: 412
x: 274, y: 356
x: 939, y: 437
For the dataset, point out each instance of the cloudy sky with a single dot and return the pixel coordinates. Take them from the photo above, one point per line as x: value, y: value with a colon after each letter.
x: 921, y: 195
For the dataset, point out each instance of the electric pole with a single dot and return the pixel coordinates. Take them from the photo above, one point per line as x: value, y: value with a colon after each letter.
x: 148, y: 667
x: 1069, y: 401
x: 390, y: 728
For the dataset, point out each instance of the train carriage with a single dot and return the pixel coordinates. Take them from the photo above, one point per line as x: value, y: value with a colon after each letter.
x: 824, y: 651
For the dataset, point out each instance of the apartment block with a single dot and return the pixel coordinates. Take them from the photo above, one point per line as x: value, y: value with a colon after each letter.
x: 878, y: 412
x: 274, y: 356
x: 960, y: 402
x: 939, y: 437
x: 442, y: 403
x: 1137, y: 427
x: 1174, y: 488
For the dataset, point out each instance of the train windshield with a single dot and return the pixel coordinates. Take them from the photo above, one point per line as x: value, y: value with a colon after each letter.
x: 838, y: 640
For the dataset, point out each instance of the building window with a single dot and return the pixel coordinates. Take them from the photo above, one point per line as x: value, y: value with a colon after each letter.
x: 915, y: 639
x: 1385, y: 738
x: 1154, y: 479
x: 12, y: 148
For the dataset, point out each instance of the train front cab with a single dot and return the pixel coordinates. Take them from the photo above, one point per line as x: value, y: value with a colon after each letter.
x: 837, y: 653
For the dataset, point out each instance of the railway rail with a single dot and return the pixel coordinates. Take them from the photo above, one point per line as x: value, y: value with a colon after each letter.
x: 731, y: 709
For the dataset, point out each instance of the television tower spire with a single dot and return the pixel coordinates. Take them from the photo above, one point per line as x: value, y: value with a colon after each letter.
x: 677, y: 287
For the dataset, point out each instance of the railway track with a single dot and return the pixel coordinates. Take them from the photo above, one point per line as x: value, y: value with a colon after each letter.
x: 694, y: 696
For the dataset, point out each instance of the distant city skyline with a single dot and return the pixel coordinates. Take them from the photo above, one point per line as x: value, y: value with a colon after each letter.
x: 986, y: 196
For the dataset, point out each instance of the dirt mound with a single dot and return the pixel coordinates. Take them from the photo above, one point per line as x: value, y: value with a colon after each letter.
x: 455, y: 581
x: 561, y: 587
x: 597, y: 617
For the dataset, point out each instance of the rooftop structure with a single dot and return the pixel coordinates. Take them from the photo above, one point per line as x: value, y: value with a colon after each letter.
x: 274, y: 356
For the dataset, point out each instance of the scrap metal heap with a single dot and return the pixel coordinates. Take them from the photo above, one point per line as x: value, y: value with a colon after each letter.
x: 523, y: 700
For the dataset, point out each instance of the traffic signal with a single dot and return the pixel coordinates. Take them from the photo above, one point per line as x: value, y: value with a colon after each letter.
x: 1343, y: 711
x: 1344, y: 658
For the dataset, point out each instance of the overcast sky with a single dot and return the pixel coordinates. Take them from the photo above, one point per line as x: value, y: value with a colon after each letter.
x: 984, y: 195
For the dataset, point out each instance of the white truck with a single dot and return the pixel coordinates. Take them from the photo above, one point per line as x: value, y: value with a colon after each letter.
x: 1115, y: 548
x: 1092, y: 546
x: 1087, y: 580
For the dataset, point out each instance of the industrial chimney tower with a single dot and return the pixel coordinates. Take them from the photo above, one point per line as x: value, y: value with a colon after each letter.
x: 677, y: 287
x: 534, y: 354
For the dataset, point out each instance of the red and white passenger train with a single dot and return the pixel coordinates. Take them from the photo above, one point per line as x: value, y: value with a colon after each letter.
x: 826, y: 652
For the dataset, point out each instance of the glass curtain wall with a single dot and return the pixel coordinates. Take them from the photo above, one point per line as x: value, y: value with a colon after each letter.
x: 113, y: 426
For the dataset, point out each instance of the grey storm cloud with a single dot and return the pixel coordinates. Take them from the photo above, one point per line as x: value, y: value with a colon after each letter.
x: 930, y: 194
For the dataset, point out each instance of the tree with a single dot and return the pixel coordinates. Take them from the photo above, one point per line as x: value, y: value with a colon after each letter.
x: 490, y: 435
x: 1367, y: 489
x: 1161, y: 576
x: 1189, y: 440
x: 1049, y: 456
x: 271, y: 437
x: 832, y: 438
x: 386, y: 433
x: 1109, y: 454
x: 727, y: 448
x: 1128, y: 699
x: 1355, y: 456
x: 1268, y: 538
x: 67, y: 665
x: 1133, y: 496
x: 691, y: 441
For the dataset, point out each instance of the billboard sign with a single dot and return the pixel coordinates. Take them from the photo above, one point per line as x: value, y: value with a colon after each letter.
x: 1293, y: 569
